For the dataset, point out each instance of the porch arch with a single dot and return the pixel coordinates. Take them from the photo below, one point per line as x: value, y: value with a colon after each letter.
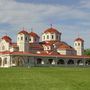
x: 39, y: 61
x: 17, y: 61
x: 70, y: 62
x: 79, y: 62
x: 60, y: 61
x: 50, y: 61
x: 4, y: 61
x: 87, y: 62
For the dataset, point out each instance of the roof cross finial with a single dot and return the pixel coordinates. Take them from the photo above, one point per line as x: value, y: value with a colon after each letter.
x: 6, y: 34
x: 51, y: 25
x: 23, y: 28
x: 31, y: 29
x: 78, y: 35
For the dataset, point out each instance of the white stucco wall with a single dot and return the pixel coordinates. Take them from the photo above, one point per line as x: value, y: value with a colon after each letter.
x: 4, y: 44
x: 44, y: 36
x: 79, y: 48
x: 23, y: 44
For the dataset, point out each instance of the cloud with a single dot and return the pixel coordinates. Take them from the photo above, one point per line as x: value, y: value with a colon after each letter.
x: 85, y: 4
x: 40, y: 15
x: 16, y: 13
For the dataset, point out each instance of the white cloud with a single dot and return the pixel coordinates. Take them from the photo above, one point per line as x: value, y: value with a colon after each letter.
x: 18, y: 13
x: 38, y: 15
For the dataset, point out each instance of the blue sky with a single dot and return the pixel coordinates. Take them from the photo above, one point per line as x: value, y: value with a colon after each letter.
x: 71, y: 17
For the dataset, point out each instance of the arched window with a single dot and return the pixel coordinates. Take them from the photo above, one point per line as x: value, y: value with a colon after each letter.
x: 21, y: 38
x: 44, y: 37
x: 60, y: 61
x: 47, y: 36
x: 39, y: 61
x: 5, y: 61
x: 3, y: 47
x: 52, y: 36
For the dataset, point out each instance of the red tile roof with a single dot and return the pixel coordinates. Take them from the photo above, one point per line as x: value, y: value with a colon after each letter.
x: 14, y: 44
x: 33, y: 34
x: 23, y: 32
x: 51, y: 30
x: 7, y: 38
x: 79, y: 39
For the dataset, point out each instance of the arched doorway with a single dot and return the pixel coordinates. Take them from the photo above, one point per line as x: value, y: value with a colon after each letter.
x: 60, y: 61
x: 4, y: 61
x: 20, y: 61
x: 87, y: 62
x: 50, y: 61
x: 17, y: 61
x: 0, y: 61
x: 70, y: 62
x: 79, y: 62
x: 39, y: 61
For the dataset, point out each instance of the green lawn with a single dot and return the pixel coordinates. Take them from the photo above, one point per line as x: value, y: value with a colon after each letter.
x: 45, y: 78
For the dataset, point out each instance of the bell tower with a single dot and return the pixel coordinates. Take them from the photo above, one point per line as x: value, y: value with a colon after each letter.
x: 23, y: 41
x: 79, y: 46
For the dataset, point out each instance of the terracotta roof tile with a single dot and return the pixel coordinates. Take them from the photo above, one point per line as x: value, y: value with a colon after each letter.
x: 79, y: 39
x: 33, y: 34
x: 23, y: 32
x: 51, y: 30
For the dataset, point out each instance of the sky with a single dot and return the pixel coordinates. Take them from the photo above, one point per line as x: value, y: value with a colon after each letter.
x: 70, y: 17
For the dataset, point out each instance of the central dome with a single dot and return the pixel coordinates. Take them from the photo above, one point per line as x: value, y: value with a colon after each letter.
x: 23, y: 32
x: 51, y: 30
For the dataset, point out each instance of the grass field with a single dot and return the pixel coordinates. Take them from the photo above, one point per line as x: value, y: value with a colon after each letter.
x: 45, y: 78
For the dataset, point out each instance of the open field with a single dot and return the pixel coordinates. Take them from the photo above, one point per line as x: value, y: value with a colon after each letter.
x: 45, y: 78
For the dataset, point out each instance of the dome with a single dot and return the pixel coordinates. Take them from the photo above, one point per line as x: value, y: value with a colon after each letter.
x: 51, y: 30
x: 23, y: 32
x: 7, y: 38
x: 79, y: 39
x: 33, y: 34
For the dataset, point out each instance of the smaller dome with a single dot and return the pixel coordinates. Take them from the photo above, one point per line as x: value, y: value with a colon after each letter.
x: 79, y: 39
x: 33, y: 34
x: 51, y: 30
x: 23, y: 32
x: 7, y: 38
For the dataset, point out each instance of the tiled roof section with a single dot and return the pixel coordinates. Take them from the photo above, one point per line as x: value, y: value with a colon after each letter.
x: 51, y: 30
x: 7, y: 38
x: 79, y: 39
x: 53, y: 53
x: 45, y: 54
x: 23, y: 32
x: 36, y: 46
x: 49, y: 43
x: 65, y: 46
x: 14, y: 44
x: 33, y: 34
x: 17, y: 53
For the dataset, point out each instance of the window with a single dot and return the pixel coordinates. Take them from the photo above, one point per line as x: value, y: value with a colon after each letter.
x: 29, y: 39
x: 44, y: 37
x: 21, y: 38
x: 5, y: 61
x: 26, y: 39
x: 3, y: 47
x: 78, y: 44
x: 47, y: 36
x: 75, y: 44
x: 52, y: 37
